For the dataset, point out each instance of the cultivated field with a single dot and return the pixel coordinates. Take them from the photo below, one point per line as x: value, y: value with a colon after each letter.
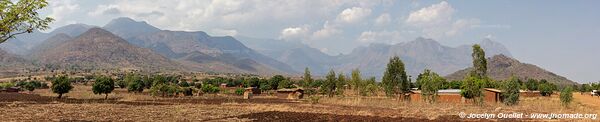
x: 82, y: 105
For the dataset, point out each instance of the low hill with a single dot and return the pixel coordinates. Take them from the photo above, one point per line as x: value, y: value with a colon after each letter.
x: 501, y: 67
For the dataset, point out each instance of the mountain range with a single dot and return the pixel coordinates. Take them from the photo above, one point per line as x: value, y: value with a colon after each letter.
x: 417, y: 55
x: 127, y: 43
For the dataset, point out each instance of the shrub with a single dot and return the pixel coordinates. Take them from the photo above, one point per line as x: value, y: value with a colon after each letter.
x: 184, y: 84
x: 121, y: 83
x: 61, y: 85
x: 136, y: 86
x: 103, y: 85
x: 188, y: 91
x: 239, y: 91
x: 166, y: 89
x: 5, y: 85
x: 566, y: 96
x: 545, y: 89
x: 209, y: 88
x: 510, y: 91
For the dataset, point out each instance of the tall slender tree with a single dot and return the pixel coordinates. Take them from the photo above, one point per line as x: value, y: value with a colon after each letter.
x: 477, y: 78
x: 395, y: 81
x: 356, y: 80
x: 307, y: 77
x: 341, y: 82
x: 479, y: 62
x: 329, y: 85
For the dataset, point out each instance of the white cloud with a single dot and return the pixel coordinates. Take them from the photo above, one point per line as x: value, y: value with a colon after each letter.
x: 388, y: 37
x: 353, y: 15
x: 328, y: 30
x: 223, y: 32
x: 61, y: 9
x: 436, y: 21
x: 432, y: 15
x: 104, y: 9
x: 294, y: 33
x: 461, y: 25
x: 383, y: 19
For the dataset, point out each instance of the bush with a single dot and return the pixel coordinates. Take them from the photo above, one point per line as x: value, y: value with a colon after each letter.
x: 184, y: 84
x: 511, y: 91
x: 5, y: 85
x: 28, y: 86
x: 545, y: 89
x: 167, y: 89
x: 239, y: 91
x: 209, y: 88
x: 61, y: 85
x: 103, y: 85
x: 188, y: 91
x: 121, y: 83
x: 136, y: 86
x: 566, y: 96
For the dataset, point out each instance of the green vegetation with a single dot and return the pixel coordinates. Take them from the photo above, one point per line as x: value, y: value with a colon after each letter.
x: 430, y: 83
x: 546, y: 89
x: 566, y: 96
x: 5, y: 85
x: 510, y: 91
x: 21, y: 17
x: 61, y: 85
x: 341, y: 82
x: 239, y: 91
x: 307, y: 77
x: 477, y: 79
x: 209, y: 88
x: 103, y: 85
x: 329, y: 86
x: 532, y: 84
x: 135, y: 85
x: 395, y: 81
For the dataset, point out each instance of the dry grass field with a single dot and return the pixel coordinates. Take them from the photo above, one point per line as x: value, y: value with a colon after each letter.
x: 82, y: 105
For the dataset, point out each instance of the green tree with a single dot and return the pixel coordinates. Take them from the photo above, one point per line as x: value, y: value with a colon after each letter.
x: 137, y: 85
x: 122, y: 84
x: 370, y: 88
x: 477, y: 78
x: 341, y: 82
x: 61, y: 85
x: 307, y: 77
x: 531, y: 84
x: 356, y: 81
x: 287, y: 83
x: 103, y: 85
x: 479, y: 62
x: 510, y: 91
x: 430, y: 84
x: 584, y: 88
x: 329, y: 85
x: 274, y: 81
x: 29, y: 86
x: 545, y: 89
x: 21, y: 17
x: 395, y: 81
x: 566, y: 96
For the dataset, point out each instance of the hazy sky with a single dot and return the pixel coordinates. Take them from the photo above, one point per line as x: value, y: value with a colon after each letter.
x: 561, y: 36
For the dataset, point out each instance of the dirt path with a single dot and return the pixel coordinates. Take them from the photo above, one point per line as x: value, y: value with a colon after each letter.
x: 586, y: 99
